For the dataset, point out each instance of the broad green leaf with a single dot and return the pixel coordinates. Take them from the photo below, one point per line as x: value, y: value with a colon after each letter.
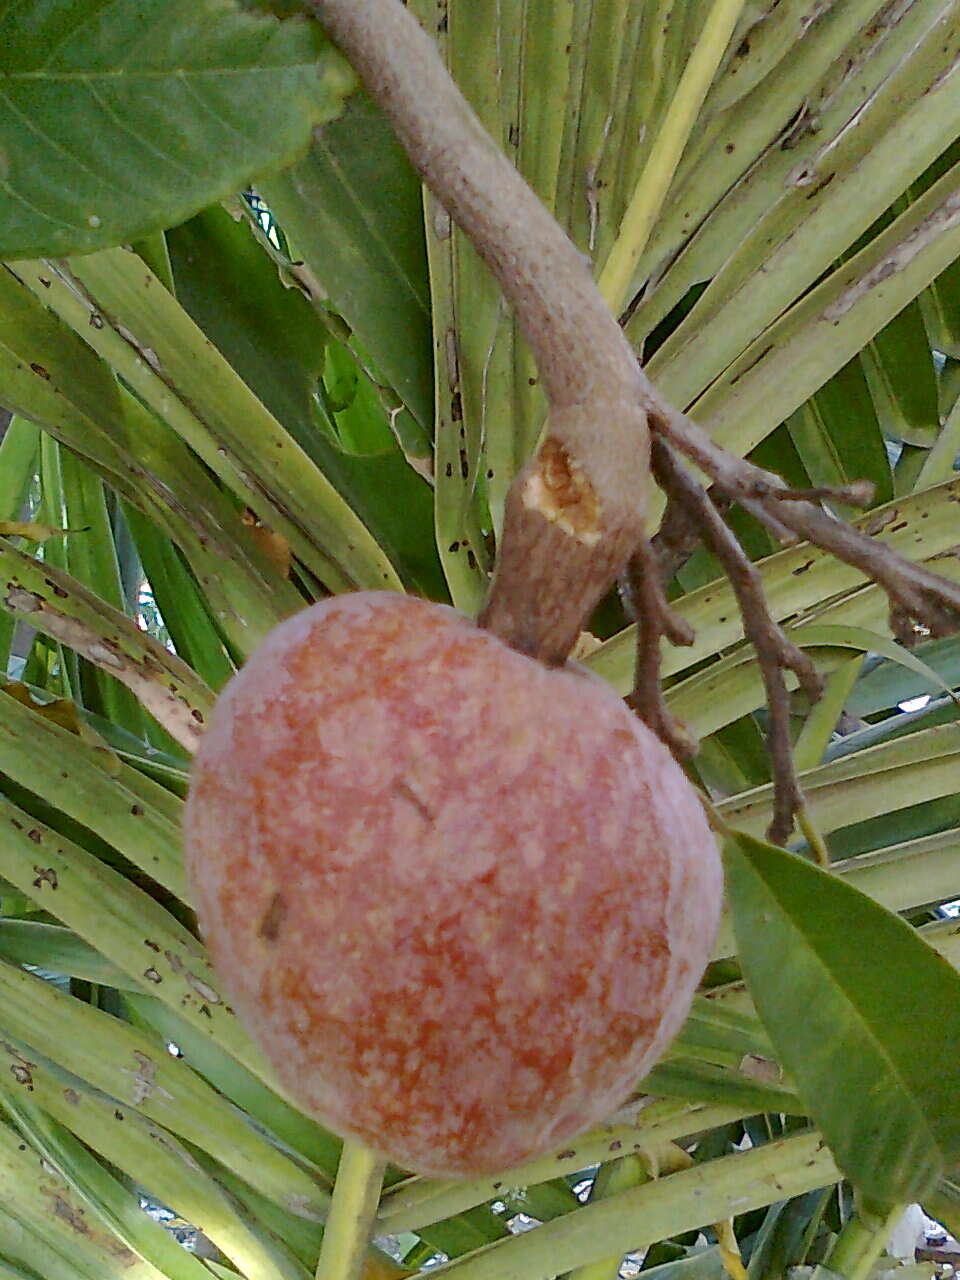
x: 835, y: 978
x: 122, y: 117
x: 353, y: 213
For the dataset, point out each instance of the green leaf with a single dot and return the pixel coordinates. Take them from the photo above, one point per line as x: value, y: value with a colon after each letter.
x: 706, y: 1082
x: 875, y: 782
x: 901, y: 375
x: 137, y: 1070
x: 277, y: 343
x: 55, y: 949
x: 126, y: 315
x: 889, y: 683
x: 122, y: 117
x: 45, y: 1204
x: 165, y: 1167
x: 104, y: 1202
x: 52, y: 377
x: 352, y: 210
x: 838, y: 436
x: 836, y: 980
x: 636, y: 1218
x: 63, y: 608
x: 86, y: 781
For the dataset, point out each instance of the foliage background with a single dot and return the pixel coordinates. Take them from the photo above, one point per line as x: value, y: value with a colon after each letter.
x: 230, y: 400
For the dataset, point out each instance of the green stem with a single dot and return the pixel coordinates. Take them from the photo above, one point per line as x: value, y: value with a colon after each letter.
x: 860, y: 1243
x: 356, y: 1194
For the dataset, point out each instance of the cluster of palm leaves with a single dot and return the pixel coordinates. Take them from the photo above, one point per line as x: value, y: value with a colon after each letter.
x: 230, y: 401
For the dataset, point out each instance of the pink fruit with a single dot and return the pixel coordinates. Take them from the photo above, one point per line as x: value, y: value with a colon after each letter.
x: 462, y: 900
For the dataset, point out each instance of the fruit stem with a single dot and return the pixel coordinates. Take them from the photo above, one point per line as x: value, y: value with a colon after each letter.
x: 349, y: 1227
x: 576, y: 511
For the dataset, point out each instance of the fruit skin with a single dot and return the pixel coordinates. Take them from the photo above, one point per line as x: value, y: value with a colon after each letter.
x: 461, y: 899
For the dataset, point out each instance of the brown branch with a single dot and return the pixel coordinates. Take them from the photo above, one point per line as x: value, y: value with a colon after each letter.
x: 775, y: 652
x: 678, y: 537
x: 575, y: 512
x: 655, y: 620
x: 916, y: 594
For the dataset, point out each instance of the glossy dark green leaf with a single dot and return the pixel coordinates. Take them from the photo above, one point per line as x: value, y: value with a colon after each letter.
x: 353, y: 211
x: 121, y: 117
x: 844, y: 988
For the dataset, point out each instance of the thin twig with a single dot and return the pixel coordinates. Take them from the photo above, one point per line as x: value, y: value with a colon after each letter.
x: 678, y: 537
x: 916, y: 594
x: 775, y: 652
x: 655, y: 620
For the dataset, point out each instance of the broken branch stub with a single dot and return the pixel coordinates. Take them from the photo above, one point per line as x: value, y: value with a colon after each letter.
x: 576, y: 511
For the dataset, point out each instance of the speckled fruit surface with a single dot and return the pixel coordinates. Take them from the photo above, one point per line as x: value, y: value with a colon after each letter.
x: 461, y: 900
